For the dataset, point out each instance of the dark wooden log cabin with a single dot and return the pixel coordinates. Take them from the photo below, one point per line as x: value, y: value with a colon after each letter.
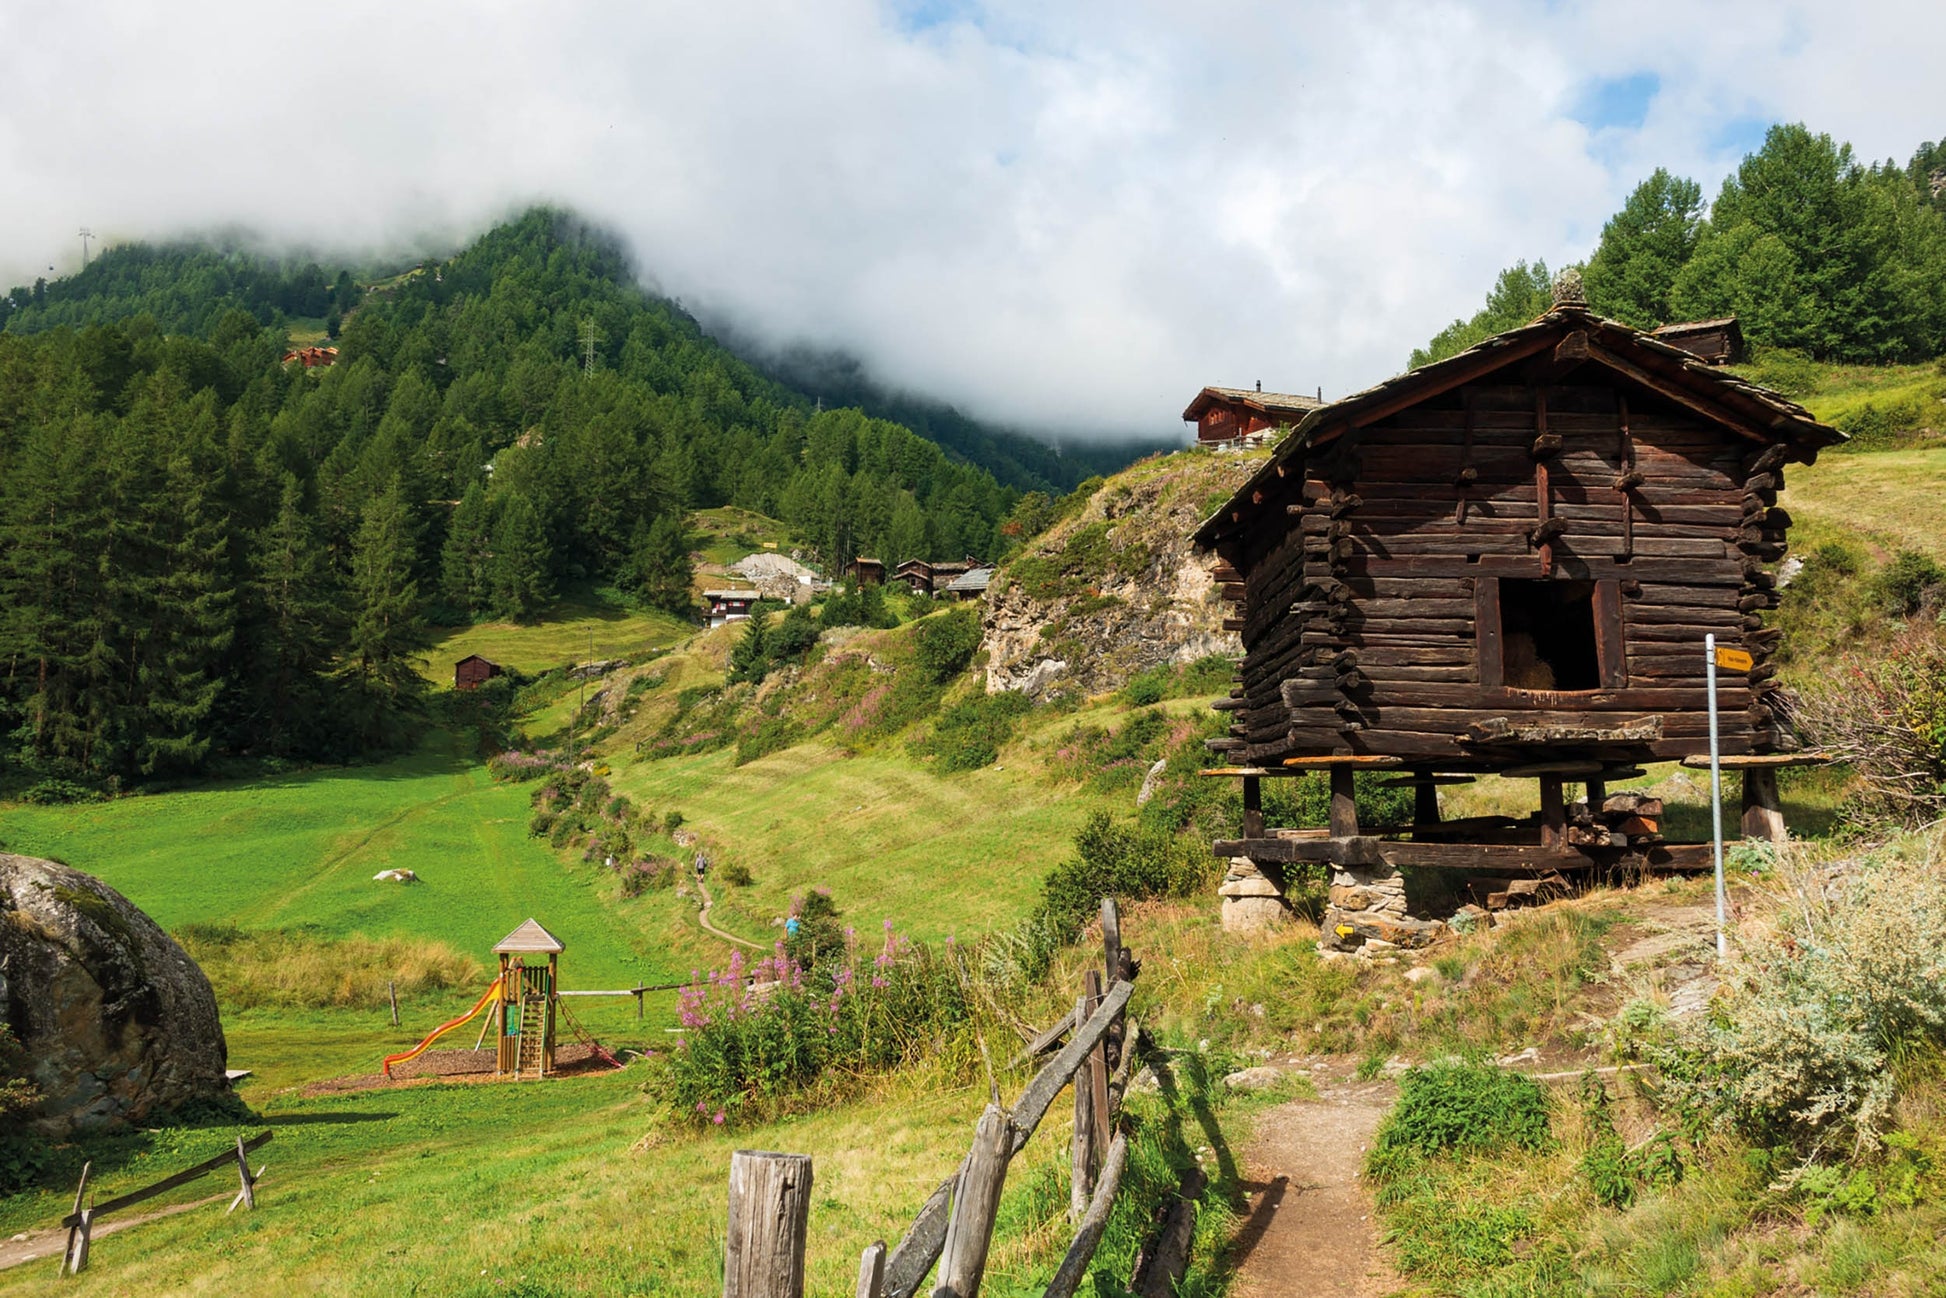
x: 1508, y: 561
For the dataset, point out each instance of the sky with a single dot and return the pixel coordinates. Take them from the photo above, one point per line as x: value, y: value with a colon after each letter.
x: 1063, y: 217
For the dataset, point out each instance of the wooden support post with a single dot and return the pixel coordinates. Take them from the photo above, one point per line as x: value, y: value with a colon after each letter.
x: 1114, y: 957
x: 1074, y: 1266
x: 1095, y: 1073
x: 1763, y: 809
x: 1081, y: 1153
x: 871, y: 1271
x: 1596, y: 794
x: 1253, y: 807
x: 976, y: 1201
x: 1344, y: 806
x: 770, y: 1210
x: 392, y: 994
x: 247, y: 1196
x: 1554, y: 813
x: 76, y: 1256
x: 1425, y: 799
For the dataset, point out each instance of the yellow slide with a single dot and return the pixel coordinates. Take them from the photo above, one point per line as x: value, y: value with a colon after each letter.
x: 492, y: 995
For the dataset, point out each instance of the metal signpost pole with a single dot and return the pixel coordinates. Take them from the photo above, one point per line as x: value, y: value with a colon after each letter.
x: 1716, y: 796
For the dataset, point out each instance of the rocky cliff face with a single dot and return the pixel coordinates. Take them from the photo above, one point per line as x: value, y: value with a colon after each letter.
x: 1117, y: 588
x: 116, y: 1020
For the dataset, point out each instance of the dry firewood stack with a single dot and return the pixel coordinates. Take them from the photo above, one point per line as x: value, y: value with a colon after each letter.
x: 1620, y: 820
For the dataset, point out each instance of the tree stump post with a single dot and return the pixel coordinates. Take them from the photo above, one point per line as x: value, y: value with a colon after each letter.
x: 1763, y: 808
x: 976, y: 1201
x: 1344, y: 804
x: 871, y: 1271
x: 770, y: 1210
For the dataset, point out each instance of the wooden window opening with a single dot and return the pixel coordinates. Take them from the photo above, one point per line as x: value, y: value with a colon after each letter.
x: 1550, y: 635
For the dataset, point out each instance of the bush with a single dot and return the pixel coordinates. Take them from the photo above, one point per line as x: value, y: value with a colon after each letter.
x: 1885, y: 714
x: 1907, y: 584
x: 737, y: 875
x: 1800, y: 1049
x: 54, y: 793
x: 771, y: 735
x: 1127, y: 862
x: 1452, y: 1105
x: 969, y: 735
x: 946, y: 643
x: 761, y: 1039
x: 23, y: 1154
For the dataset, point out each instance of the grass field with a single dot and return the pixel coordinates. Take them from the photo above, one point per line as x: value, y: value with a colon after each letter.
x: 571, y: 630
x: 726, y: 534
x: 1888, y: 499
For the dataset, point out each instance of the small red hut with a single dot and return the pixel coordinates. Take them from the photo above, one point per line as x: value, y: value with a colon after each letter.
x: 473, y: 671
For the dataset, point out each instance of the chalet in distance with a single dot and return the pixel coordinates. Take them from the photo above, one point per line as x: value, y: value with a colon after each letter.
x: 923, y: 577
x: 1719, y: 342
x: 1226, y: 417
x: 1507, y: 561
x: 726, y: 606
x: 473, y: 671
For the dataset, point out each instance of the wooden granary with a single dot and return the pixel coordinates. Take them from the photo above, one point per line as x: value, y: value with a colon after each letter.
x: 529, y: 983
x: 1506, y: 562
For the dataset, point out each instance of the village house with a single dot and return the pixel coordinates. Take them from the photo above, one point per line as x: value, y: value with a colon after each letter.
x: 866, y: 572
x: 1239, y: 417
x: 1719, y: 342
x: 1507, y: 562
x: 727, y: 606
x: 968, y: 585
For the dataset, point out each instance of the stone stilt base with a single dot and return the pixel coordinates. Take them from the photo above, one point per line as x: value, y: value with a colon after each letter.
x: 1253, y: 897
x: 1367, y: 911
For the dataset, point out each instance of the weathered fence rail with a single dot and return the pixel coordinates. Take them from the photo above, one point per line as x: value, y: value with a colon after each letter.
x: 954, y: 1228
x: 80, y: 1222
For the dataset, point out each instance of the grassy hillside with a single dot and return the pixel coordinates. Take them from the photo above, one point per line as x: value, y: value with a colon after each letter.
x: 571, y: 630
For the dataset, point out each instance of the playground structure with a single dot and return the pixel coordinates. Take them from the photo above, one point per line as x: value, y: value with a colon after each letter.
x: 527, y: 1000
x: 524, y: 1002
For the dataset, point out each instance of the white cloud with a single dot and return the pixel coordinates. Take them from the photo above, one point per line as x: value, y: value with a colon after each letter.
x: 1069, y: 217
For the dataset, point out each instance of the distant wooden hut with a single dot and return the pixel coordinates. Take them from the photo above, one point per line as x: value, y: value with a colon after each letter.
x: 971, y: 584
x: 867, y: 572
x: 1716, y: 342
x: 473, y: 671
x: 1243, y: 416
x: 726, y: 606
x: 1507, y: 562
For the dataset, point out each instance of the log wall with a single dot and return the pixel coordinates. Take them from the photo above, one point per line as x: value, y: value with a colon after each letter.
x: 1367, y: 601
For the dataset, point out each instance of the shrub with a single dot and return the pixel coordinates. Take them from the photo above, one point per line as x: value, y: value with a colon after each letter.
x: 1886, y: 716
x: 1128, y: 862
x: 969, y: 735
x: 1907, y: 584
x: 737, y: 875
x: 23, y: 1154
x: 54, y: 793
x: 946, y: 643
x: 1615, y: 1172
x: 650, y: 874
x: 759, y: 1039
x: 771, y: 735
x: 1801, y: 1047
x: 811, y: 928
x: 513, y: 766
x: 1453, y: 1105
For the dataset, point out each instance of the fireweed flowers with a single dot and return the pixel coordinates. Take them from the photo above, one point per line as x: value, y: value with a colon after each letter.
x: 759, y: 1036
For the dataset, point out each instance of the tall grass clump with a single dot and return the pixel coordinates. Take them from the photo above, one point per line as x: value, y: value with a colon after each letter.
x: 306, y: 969
x: 1804, y: 1046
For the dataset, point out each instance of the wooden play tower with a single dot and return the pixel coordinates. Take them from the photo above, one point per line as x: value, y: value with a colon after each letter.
x: 529, y: 986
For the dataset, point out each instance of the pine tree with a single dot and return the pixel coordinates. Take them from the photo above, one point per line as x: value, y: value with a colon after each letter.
x: 1643, y: 247
x: 293, y: 607
x: 386, y: 632
x: 517, y: 570
x: 463, y: 560
x: 659, y: 569
x: 749, y: 657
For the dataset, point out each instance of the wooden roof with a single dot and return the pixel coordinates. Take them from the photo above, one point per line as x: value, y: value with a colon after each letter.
x: 1292, y: 404
x: 528, y: 938
x: 1740, y: 407
x: 976, y: 579
x: 477, y: 658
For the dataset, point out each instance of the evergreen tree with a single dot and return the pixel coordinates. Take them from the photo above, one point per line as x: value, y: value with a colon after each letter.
x: 517, y: 569
x: 293, y: 601
x: 386, y: 633
x: 749, y: 657
x: 463, y: 560
x: 659, y: 570
x: 1643, y: 247
x: 1521, y: 293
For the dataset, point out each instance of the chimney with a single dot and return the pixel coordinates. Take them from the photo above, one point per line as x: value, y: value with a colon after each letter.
x: 1260, y: 385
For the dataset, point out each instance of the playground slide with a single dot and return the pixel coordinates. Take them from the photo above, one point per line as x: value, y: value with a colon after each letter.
x: 492, y: 995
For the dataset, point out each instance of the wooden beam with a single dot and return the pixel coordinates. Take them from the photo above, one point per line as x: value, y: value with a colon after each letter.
x: 1677, y: 393
x: 1359, y: 850
x: 1345, y: 759
x: 1344, y: 806
x: 1749, y: 761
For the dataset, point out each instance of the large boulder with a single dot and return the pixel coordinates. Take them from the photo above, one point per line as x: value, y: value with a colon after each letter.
x: 115, y: 1019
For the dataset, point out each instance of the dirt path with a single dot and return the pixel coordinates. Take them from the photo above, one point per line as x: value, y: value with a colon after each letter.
x: 49, y: 1244
x: 1310, y: 1228
x: 702, y: 917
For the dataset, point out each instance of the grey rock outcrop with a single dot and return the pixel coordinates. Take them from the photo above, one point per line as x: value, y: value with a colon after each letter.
x: 116, y: 1020
x: 1116, y: 589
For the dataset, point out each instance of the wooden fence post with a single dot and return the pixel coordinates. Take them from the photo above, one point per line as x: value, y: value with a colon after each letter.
x: 76, y: 1256
x: 392, y: 994
x: 1081, y: 1178
x: 247, y: 1196
x: 871, y: 1271
x: 1094, y: 1075
x: 770, y: 1209
x: 976, y: 1201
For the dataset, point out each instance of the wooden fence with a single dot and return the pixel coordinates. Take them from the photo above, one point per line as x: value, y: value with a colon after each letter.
x: 770, y: 1193
x: 80, y: 1222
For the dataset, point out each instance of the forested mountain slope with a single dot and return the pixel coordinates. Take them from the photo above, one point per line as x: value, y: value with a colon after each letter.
x: 206, y: 548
